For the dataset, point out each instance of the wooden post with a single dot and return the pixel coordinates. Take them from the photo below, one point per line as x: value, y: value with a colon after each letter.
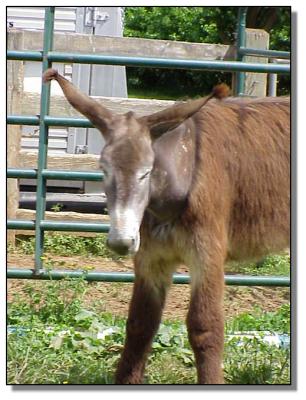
x: 15, y: 88
x: 256, y: 83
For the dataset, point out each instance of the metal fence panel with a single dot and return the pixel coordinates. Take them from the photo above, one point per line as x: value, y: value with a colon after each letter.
x: 47, y: 56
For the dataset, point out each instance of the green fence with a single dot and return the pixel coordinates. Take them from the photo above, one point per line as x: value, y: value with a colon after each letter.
x: 40, y: 225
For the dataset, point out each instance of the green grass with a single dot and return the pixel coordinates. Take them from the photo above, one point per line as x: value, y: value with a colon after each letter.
x: 278, y: 322
x: 276, y: 264
x: 138, y: 93
x: 166, y: 94
x: 53, y: 339
x: 69, y: 245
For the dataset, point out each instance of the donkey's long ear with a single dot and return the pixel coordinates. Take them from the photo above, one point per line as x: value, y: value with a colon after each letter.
x: 95, y: 112
x: 171, y: 117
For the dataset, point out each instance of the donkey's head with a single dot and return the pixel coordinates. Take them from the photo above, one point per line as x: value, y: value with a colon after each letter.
x: 127, y: 158
x: 127, y: 161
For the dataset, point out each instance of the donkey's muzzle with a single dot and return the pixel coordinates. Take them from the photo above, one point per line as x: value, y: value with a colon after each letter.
x: 122, y: 246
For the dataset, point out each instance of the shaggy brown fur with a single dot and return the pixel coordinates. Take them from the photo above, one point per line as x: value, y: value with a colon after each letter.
x: 243, y: 169
x: 205, y: 181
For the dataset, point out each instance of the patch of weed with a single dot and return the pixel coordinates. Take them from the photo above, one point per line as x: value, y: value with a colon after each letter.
x: 53, y: 339
x: 69, y: 245
x: 277, y: 264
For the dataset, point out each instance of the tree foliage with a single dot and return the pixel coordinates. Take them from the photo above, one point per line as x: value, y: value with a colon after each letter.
x: 200, y: 25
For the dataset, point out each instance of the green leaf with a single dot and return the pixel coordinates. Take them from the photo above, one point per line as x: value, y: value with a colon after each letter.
x: 56, y: 342
x: 84, y: 315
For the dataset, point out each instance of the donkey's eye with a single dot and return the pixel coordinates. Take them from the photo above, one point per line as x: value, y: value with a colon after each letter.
x: 145, y: 175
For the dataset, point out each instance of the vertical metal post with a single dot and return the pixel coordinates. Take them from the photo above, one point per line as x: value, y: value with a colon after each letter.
x: 272, y: 83
x: 43, y: 141
x: 241, y: 35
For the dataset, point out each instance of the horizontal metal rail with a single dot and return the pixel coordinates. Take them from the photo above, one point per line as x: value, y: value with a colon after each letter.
x: 49, y: 121
x: 48, y: 56
x: 171, y: 63
x: 27, y: 225
x: 67, y: 226
x: 22, y: 120
x: 246, y: 51
x: 127, y: 277
x: 21, y: 173
x: 55, y: 174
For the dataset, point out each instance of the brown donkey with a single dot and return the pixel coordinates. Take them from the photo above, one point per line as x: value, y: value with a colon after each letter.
x: 196, y: 184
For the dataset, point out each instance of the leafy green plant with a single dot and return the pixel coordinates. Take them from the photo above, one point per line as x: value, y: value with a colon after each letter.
x: 57, y: 207
x: 54, y: 339
x: 25, y: 244
x: 57, y: 304
x: 259, y: 320
x: 251, y: 361
x: 276, y: 264
x: 69, y: 245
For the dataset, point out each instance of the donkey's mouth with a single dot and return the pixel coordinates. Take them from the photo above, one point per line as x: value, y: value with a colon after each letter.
x: 124, y: 246
x: 121, y: 250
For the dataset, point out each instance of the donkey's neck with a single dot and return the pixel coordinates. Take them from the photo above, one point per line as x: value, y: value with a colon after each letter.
x: 173, y: 171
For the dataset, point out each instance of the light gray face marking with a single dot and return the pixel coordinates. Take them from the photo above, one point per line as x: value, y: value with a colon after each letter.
x: 127, y: 162
x: 124, y: 235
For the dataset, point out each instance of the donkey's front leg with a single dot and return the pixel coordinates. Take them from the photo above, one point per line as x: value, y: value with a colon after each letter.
x: 205, y: 322
x: 143, y: 320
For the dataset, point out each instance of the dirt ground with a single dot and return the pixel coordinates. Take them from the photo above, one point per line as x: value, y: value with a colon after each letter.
x: 114, y: 297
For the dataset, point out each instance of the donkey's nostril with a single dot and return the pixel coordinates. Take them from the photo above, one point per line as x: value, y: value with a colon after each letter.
x: 120, y: 246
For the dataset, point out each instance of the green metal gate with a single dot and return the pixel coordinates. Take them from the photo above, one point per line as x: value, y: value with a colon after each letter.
x: 44, y: 121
